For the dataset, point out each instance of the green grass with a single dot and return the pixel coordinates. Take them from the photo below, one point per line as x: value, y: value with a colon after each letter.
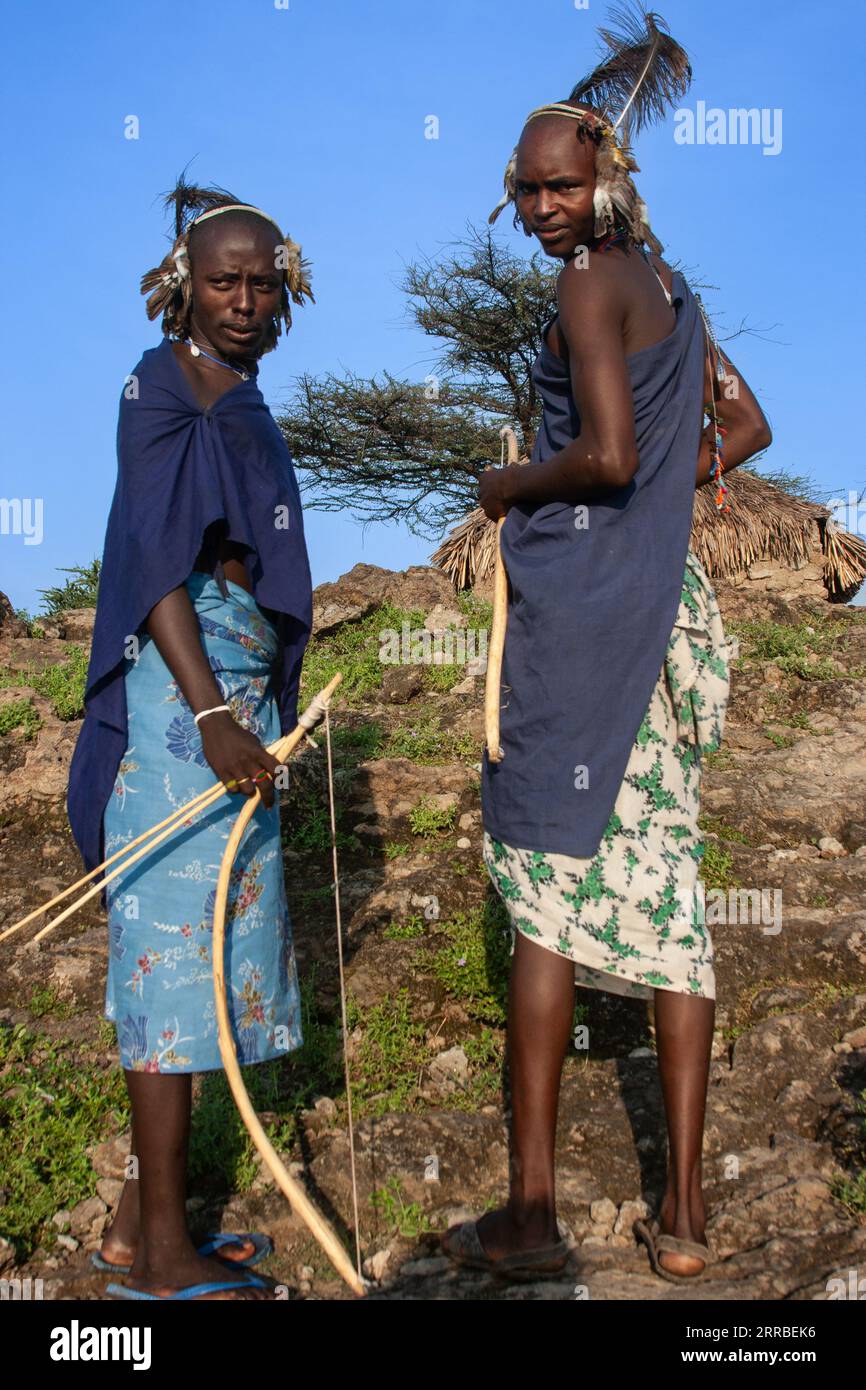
x: 428, y: 819
x: 20, y: 714
x: 851, y: 1192
x: 353, y: 650
x: 441, y: 679
x: 405, y: 931
x: 308, y: 828
x: 484, y: 1049
x: 716, y: 867
x: 479, y: 611
x: 424, y: 740
x: 399, y: 1216
x: 303, y: 899
x: 397, y: 849
x: 719, y: 758
x: 391, y: 1056
x: 46, y: 1000
x: 780, y: 740
x: 358, y: 744
x: 53, y: 1107
x: 62, y: 683
x: 801, y: 649
x: 473, y: 962
x: 713, y: 825
x: 799, y: 720
x: 484, y: 1053
x: 479, y: 614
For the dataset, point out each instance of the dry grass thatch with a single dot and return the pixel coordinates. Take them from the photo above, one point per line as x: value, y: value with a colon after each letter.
x: 764, y: 523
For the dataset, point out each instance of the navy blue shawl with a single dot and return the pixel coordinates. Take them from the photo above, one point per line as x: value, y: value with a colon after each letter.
x: 181, y: 467
x: 591, y: 609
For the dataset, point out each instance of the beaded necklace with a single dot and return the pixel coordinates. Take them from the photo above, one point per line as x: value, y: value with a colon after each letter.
x: 617, y: 237
x: 200, y: 352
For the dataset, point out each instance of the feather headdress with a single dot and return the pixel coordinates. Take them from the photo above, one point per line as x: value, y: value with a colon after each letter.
x: 169, y: 284
x: 642, y: 72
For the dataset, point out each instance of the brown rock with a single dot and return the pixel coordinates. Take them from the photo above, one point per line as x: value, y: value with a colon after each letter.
x: 365, y: 587
x: 10, y: 625
x: 402, y: 683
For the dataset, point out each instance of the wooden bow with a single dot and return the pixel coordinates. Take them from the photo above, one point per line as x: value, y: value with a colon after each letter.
x: 493, y: 682
x: 309, y: 1214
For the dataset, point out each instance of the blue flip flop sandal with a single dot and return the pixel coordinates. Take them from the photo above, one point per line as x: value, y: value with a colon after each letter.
x: 213, y: 1242
x: 194, y: 1290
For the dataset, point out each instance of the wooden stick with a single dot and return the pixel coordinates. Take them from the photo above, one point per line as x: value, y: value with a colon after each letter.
x: 182, y: 813
x: 280, y: 750
x: 309, y: 1214
x: 493, y: 681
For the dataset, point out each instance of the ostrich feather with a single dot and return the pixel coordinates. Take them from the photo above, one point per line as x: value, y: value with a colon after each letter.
x: 187, y: 200
x: 643, y: 72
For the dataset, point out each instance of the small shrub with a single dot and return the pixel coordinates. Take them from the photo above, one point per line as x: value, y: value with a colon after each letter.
x: 428, y: 819
x: 20, y: 714
x: 473, y: 964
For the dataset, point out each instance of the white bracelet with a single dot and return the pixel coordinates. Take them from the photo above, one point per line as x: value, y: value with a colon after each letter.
x: 201, y: 714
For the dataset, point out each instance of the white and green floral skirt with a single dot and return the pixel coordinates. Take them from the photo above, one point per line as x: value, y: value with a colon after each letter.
x: 631, y: 917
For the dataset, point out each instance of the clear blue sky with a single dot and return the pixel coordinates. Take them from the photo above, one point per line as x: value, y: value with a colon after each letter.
x: 316, y: 113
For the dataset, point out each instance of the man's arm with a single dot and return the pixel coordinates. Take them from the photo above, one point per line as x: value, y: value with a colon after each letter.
x: 232, y: 751
x: 747, y: 428
x: 604, y: 456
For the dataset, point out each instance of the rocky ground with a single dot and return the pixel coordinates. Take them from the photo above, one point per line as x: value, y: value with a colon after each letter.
x: 426, y: 963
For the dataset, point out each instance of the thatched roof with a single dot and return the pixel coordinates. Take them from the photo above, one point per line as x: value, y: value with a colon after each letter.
x: 764, y: 523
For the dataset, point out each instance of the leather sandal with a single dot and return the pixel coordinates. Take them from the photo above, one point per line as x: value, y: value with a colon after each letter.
x: 657, y: 1242
x: 462, y: 1244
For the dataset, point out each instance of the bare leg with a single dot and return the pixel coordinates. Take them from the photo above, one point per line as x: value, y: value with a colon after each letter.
x: 120, y: 1242
x: 684, y: 1034
x: 165, y: 1258
x: 540, y: 1014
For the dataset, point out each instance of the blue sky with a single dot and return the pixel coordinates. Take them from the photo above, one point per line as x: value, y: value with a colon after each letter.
x: 316, y: 113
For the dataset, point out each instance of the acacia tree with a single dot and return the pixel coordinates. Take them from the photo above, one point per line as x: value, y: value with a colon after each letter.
x: 413, y: 451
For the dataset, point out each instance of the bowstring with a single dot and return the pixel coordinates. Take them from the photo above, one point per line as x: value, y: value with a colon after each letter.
x: 342, y: 990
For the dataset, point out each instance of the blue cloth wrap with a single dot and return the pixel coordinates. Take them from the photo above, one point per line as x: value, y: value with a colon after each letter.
x: 591, y: 607
x: 179, y: 468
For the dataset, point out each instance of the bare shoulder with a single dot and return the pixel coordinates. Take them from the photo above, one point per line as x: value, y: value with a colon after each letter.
x: 595, y: 286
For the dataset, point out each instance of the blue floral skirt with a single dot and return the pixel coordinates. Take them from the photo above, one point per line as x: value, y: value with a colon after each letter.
x: 159, y: 991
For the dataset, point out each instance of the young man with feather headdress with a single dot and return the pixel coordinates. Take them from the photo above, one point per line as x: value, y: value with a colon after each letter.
x: 615, y: 674
x: 203, y: 613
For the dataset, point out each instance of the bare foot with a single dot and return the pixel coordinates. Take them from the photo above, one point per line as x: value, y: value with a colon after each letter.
x: 500, y: 1235
x: 692, y: 1229
x: 184, y: 1273
x: 116, y: 1252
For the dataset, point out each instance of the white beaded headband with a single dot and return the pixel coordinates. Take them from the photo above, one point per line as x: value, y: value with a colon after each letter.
x: 233, y: 207
x: 180, y: 256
